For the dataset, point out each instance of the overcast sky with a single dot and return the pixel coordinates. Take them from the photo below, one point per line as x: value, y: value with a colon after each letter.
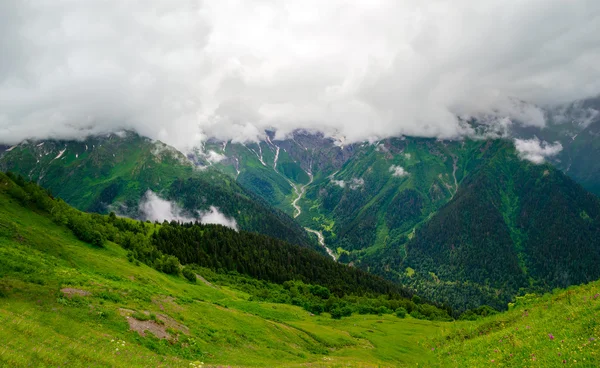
x: 180, y: 71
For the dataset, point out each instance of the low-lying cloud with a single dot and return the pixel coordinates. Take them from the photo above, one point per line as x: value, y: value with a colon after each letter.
x: 537, y: 151
x: 181, y: 72
x: 398, y: 171
x: 154, y: 208
x: 214, y: 216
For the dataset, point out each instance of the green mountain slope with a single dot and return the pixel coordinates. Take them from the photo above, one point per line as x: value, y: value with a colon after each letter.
x: 67, y: 302
x: 114, y: 172
x: 360, y: 197
x: 581, y: 158
x: 466, y: 223
x: 511, y: 225
x: 554, y: 330
x: 64, y: 302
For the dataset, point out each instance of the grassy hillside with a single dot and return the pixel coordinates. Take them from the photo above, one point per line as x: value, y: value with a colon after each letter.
x: 66, y: 302
x: 113, y: 172
x: 558, y: 329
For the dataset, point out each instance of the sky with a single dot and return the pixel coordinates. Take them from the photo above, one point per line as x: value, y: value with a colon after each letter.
x: 182, y: 71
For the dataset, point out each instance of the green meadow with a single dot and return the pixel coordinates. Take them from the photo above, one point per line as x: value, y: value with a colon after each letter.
x: 66, y: 303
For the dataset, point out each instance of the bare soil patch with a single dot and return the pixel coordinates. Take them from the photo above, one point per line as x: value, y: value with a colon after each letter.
x: 157, y: 329
x: 69, y: 292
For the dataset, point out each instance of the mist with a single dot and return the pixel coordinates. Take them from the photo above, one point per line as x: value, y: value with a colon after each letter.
x: 154, y: 208
x: 214, y: 216
x: 182, y: 72
x: 537, y: 151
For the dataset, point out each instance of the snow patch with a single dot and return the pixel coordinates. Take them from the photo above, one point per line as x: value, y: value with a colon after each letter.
x: 60, y: 154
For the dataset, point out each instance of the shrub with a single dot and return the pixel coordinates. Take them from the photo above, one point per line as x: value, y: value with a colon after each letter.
x: 400, y: 312
x: 189, y: 274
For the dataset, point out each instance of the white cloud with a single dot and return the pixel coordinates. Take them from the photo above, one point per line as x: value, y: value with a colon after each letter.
x: 180, y: 72
x: 154, y: 208
x: 214, y: 157
x: 535, y: 150
x: 356, y: 183
x: 214, y: 216
x: 339, y: 183
x: 398, y: 171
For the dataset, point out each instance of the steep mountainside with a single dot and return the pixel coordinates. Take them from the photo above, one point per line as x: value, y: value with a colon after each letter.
x: 511, y: 225
x: 64, y: 301
x: 360, y: 197
x: 114, y: 172
x: 466, y: 221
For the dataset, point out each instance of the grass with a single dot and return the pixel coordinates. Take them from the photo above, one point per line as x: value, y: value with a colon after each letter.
x: 561, y: 328
x: 42, y: 326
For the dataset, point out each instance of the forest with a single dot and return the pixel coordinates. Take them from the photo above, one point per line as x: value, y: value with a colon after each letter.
x: 267, y: 268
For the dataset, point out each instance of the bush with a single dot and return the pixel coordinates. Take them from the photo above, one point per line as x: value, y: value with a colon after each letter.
x: 336, y: 313
x: 382, y: 310
x: 189, y: 274
x: 314, y: 308
x: 400, y: 312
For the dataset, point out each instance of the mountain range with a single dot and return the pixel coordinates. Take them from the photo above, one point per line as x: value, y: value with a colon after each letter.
x: 464, y: 222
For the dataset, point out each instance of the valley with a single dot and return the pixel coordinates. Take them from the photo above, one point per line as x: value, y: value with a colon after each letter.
x: 324, y: 184
x: 59, y: 296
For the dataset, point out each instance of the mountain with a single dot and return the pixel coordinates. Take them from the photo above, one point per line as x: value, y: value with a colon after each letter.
x: 464, y: 222
x: 511, y: 225
x: 64, y: 301
x: 113, y: 173
x: 69, y: 298
x: 576, y: 126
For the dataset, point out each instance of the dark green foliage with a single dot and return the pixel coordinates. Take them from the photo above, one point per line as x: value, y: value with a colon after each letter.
x: 289, y: 273
x: 400, y: 312
x: 512, y: 227
x: 189, y: 274
x: 265, y: 258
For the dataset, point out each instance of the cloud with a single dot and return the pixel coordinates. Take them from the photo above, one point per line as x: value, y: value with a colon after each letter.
x: 356, y: 183
x: 186, y: 71
x: 339, y: 183
x: 398, y: 171
x: 214, y: 216
x: 214, y: 157
x: 154, y: 208
x: 535, y: 150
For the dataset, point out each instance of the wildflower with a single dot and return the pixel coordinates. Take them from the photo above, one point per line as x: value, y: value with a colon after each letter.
x: 492, y: 360
x: 592, y: 339
x: 564, y: 361
x: 550, y: 336
x: 432, y: 349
